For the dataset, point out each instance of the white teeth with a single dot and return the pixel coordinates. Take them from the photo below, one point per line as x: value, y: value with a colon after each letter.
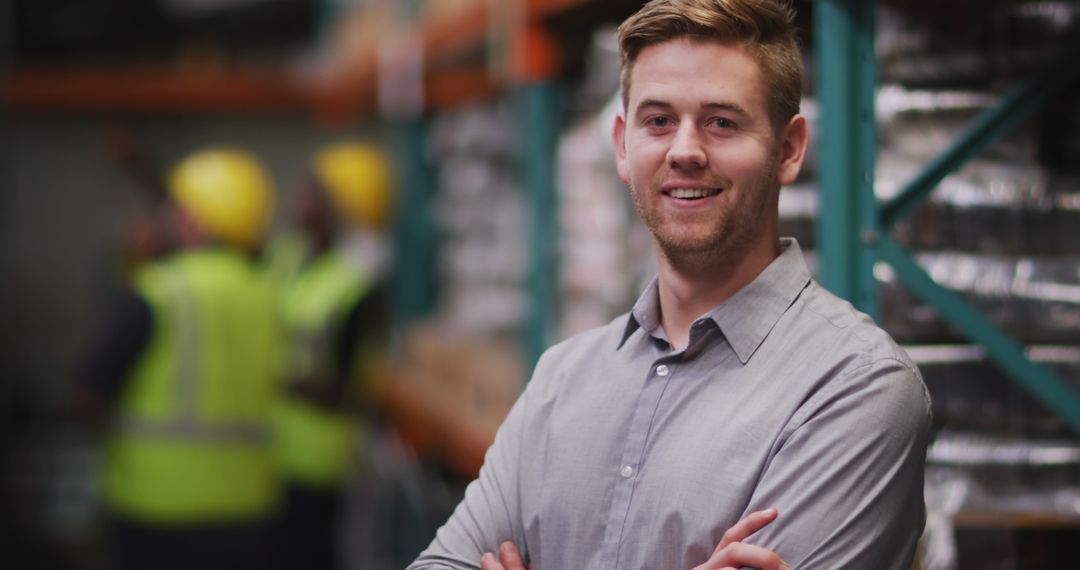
x: 690, y: 193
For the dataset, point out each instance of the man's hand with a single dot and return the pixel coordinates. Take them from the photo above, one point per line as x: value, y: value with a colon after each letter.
x: 509, y: 559
x: 732, y: 554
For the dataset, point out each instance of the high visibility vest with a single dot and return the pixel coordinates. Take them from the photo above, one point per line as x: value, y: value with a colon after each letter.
x: 315, y: 446
x: 192, y: 440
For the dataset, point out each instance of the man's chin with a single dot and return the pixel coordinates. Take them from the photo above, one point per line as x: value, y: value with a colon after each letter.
x: 689, y: 248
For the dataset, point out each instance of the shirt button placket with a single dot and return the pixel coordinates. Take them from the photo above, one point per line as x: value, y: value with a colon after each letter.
x: 632, y: 460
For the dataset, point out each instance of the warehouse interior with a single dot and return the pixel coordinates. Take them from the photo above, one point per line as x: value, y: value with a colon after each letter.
x: 941, y: 196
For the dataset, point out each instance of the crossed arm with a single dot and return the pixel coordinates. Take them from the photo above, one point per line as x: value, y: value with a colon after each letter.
x: 848, y: 477
x: 731, y: 553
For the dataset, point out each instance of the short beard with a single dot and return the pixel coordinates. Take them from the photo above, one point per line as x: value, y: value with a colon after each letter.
x: 727, y: 247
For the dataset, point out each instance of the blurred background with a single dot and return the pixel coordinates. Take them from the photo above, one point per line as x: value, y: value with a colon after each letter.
x: 510, y: 230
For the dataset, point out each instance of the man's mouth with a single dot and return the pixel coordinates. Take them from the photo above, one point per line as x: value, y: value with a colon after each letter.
x: 691, y: 193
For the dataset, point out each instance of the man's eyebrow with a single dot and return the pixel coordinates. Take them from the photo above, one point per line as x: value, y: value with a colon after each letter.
x: 705, y: 105
x: 653, y: 104
x: 730, y: 107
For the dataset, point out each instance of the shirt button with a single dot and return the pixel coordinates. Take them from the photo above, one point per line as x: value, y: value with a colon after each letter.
x: 662, y: 370
x: 626, y: 471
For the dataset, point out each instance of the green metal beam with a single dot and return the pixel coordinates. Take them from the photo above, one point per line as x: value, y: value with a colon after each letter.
x: 538, y: 112
x: 326, y: 13
x: 846, y: 80
x: 1014, y: 107
x: 1040, y: 382
x: 416, y: 233
x: 852, y: 234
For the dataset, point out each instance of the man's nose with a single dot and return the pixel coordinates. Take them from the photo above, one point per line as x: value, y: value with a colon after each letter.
x: 686, y: 151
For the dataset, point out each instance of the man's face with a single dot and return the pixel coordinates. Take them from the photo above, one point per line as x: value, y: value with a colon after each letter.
x: 698, y: 151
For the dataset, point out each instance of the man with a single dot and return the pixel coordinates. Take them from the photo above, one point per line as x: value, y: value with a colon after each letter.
x: 185, y: 375
x: 736, y: 383
x: 334, y: 307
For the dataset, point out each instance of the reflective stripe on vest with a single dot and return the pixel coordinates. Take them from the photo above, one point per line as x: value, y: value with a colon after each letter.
x: 186, y: 424
x: 192, y: 442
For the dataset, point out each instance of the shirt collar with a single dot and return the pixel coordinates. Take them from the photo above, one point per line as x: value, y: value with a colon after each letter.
x: 646, y: 312
x: 747, y: 317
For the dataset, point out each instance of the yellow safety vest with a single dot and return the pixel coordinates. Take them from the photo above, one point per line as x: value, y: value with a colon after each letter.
x: 315, y: 446
x: 192, y: 440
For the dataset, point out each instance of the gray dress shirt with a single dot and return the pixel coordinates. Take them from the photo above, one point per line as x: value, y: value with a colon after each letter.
x: 622, y: 453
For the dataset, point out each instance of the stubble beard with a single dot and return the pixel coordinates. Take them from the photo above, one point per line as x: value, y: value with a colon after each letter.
x: 725, y: 242
x: 692, y: 251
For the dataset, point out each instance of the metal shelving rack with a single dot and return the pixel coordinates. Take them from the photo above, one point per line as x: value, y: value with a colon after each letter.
x: 854, y: 228
x: 528, y: 71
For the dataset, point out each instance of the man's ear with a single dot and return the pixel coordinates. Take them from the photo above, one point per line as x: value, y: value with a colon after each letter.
x: 792, y: 150
x: 618, y: 139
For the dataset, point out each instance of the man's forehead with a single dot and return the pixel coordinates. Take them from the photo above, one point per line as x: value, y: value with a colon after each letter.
x: 670, y: 71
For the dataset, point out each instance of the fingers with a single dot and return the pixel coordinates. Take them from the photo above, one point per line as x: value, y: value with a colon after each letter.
x: 738, y: 555
x: 488, y: 562
x: 750, y: 524
x: 509, y: 559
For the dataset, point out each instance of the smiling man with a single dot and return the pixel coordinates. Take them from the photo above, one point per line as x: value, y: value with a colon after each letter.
x: 736, y: 383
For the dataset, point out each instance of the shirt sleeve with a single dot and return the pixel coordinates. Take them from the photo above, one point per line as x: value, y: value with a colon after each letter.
x: 848, y: 477
x: 490, y: 513
x: 117, y: 347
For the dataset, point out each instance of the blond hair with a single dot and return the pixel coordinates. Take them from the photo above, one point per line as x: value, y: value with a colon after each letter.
x: 764, y: 27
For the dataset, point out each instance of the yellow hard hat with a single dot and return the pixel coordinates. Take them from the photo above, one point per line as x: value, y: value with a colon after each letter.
x: 358, y: 179
x: 227, y: 191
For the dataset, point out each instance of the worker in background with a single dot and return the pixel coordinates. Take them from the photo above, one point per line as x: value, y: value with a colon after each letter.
x: 334, y: 307
x: 184, y: 379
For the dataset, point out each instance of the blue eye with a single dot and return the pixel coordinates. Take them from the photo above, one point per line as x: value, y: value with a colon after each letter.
x: 723, y: 123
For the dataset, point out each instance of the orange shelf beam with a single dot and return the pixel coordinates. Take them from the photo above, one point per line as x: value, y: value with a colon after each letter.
x: 460, y: 32
x: 155, y: 90
x: 130, y: 89
x: 124, y: 90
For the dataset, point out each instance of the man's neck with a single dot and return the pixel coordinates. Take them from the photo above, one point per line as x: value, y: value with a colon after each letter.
x: 691, y: 287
